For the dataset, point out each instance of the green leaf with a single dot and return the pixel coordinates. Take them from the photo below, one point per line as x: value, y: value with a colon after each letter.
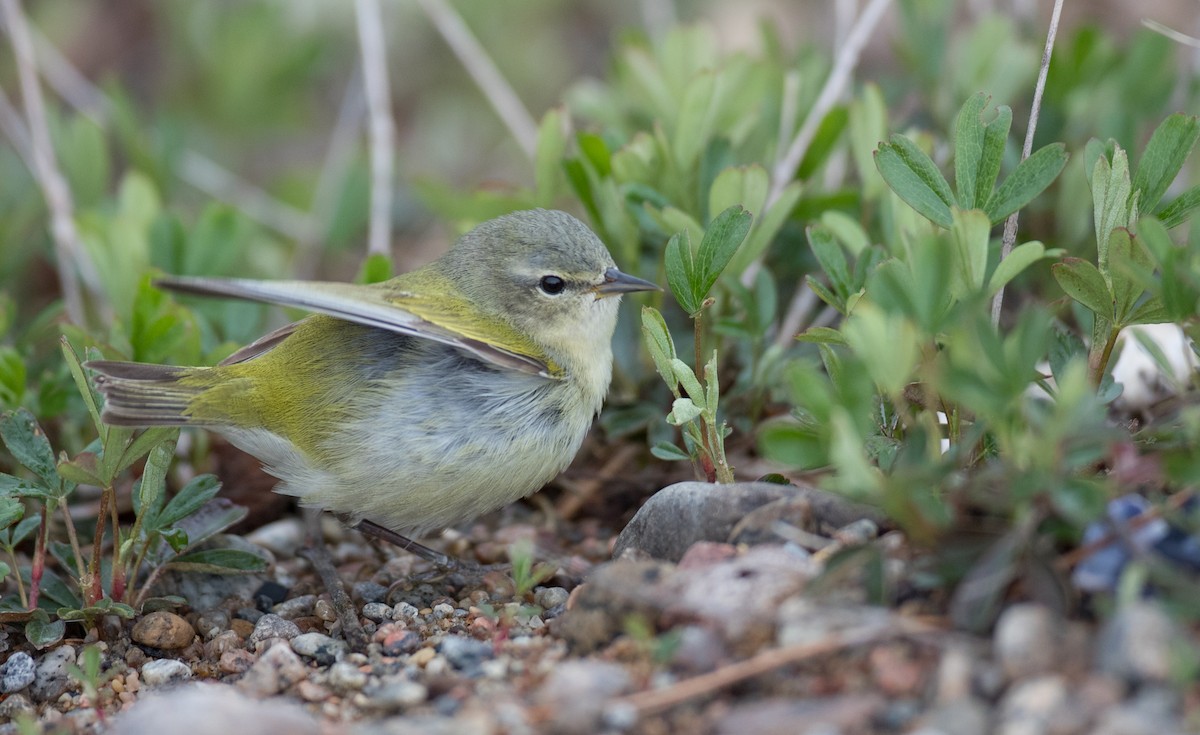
x: 1030, y: 178
x: 154, y: 478
x: 82, y: 383
x: 978, y: 151
x: 551, y: 149
x: 219, y: 561
x: 11, y: 511
x: 695, y: 120
x: 144, y: 442
x: 1129, y: 263
x: 659, y: 343
x: 829, y: 297
x: 969, y: 235
x: 1021, y: 257
x: 1083, y: 282
x: 1164, y: 156
x: 822, y: 335
x: 18, y: 533
x: 1110, y: 200
x: 1151, y: 311
x: 721, y: 240
x: 683, y: 410
x: 829, y: 131
x: 847, y: 230
x: 81, y: 470
x: 375, y: 269
x: 833, y: 261
x: 663, y: 450
x: 687, y: 378
x: 915, y: 179
x: 744, y: 185
x: 766, y: 226
x: 190, y: 498
x: 1177, y: 212
x: 678, y: 261
x: 28, y: 445
x: 41, y: 632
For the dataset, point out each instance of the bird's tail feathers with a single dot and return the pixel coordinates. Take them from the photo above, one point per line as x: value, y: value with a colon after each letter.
x: 138, y: 394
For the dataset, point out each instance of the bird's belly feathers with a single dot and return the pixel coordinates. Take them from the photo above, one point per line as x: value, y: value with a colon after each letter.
x: 428, y: 448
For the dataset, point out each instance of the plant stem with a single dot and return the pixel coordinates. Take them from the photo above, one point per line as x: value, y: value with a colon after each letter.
x: 20, y: 583
x: 1098, y: 361
x: 118, y: 567
x: 39, y: 559
x: 381, y: 130
x: 96, y: 587
x: 710, y: 473
x: 74, y: 538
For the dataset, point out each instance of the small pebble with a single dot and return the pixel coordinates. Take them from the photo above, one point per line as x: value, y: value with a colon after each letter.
x: 422, y: 657
x: 163, y: 671
x: 272, y: 626
x: 17, y: 672
x: 550, y: 597
x: 376, y: 611
x: 404, y: 611
x: 465, y: 654
x: 51, y: 678
x: 442, y: 610
x: 397, y: 693
x: 242, y: 627
x: 310, y: 691
x: 14, y: 705
x: 275, y: 670
x: 401, y: 642
x: 319, y: 647
x: 212, y: 623
x: 249, y: 613
x: 370, y: 592
x: 273, y: 592
x: 297, y: 607
x: 1027, y: 640
x: 227, y: 641
x: 324, y: 610
x: 164, y: 630
x: 345, y: 676
x: 235, y: 661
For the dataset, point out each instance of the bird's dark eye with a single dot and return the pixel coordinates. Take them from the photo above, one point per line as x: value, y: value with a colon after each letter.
x: 552, y: 285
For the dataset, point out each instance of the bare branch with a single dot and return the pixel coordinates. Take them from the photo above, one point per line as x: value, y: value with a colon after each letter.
x: 479, y: 65
x: 71, y: 259
x: 1171, y: 33
x: 1010, y: 225
x: 381, y: 131
x: 839, y: 77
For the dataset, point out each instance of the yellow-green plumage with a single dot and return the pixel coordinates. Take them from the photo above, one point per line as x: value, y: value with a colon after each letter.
x: 420, y: 402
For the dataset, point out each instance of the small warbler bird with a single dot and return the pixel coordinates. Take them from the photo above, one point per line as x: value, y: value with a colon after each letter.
x: 416, y: 403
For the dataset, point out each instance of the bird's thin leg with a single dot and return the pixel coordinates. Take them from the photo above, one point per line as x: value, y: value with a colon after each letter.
x: 445, y: 563
x: 318, y: 555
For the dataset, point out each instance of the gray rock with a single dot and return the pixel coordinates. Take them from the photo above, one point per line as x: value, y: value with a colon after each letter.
x: 967, y: 716
x: 277, y: 669
x: 466, y: 654
x: 1028, y: 640
x: 403, y: 612
x: 847, y: 713
x: 319, y: 647
x: 396, y: 693
x: 51, y: 679
x: 345, y: 676
x: 548, y: 598
x: 212, y: 623
x: 1156, y: 710
x: 272, y: 626
x: 297, y: 607
x: 15, y: 705
x: 678, y: 516
x: 163, y: 629
x: 17, y: 672
x: 377, y: 611
x: 1142, y: 644
x: 1031, y: 706
x: 370, y: 592
x: 212, y: 709
x: 163, y: 671
x: 576, y: 695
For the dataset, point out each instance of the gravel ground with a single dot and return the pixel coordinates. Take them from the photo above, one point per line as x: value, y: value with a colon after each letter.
x: 701, y: 636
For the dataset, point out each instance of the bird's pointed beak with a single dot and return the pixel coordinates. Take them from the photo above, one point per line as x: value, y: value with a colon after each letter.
x: 616, y: 283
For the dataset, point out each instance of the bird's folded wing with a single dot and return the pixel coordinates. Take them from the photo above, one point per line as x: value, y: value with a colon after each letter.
x: 384, y: 306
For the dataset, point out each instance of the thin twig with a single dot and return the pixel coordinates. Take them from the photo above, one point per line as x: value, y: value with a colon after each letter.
x: 381, y: 131
x: 1010, y: 225
x: 802, y: 304
x: 343, y: 142
x: 839, y: 77
x: 219, y: 183
x: 479, y: 65
x: 69, y: 254
x: 653, y: 701
x: 1176, y: 36
x: 15, y: 130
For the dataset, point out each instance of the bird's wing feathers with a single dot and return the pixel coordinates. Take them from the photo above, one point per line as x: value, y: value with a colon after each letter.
x: 392, y: 306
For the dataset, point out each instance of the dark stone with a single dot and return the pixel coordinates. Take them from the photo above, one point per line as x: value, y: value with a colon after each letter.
x: 273, y: 591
